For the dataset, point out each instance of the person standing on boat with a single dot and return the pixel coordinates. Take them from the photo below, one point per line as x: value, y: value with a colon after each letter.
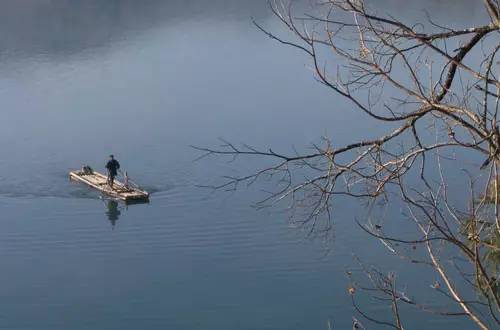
x: 112, y: 166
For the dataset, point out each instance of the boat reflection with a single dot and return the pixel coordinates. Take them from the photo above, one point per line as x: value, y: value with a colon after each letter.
x: 114, y: 208
x: 113, y: 212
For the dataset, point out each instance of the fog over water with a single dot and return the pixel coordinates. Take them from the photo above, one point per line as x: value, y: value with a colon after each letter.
x: 80, y: 79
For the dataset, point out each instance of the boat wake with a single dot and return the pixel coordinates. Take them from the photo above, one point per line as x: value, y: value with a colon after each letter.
x: 61, y: 187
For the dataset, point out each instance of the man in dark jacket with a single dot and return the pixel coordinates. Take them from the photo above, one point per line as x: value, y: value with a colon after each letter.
x: 112, y: 167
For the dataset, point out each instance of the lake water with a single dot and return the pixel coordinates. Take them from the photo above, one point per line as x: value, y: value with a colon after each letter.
x: 145, y: 80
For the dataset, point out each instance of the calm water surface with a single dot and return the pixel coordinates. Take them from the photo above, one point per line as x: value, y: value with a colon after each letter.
x: 144, y: 80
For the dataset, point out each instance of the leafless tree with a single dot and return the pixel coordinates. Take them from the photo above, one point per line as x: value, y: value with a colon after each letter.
x: 423, y: 83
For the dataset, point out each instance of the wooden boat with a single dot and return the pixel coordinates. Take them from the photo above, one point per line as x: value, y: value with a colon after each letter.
x: 98, y: 181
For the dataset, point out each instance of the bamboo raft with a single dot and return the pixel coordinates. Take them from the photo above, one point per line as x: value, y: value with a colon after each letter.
x: 99, y: 181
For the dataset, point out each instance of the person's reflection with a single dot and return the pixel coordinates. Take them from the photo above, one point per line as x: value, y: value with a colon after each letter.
x: 113, y: 212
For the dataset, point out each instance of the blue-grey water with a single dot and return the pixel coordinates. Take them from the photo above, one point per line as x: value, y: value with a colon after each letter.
x: 145, y: 80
